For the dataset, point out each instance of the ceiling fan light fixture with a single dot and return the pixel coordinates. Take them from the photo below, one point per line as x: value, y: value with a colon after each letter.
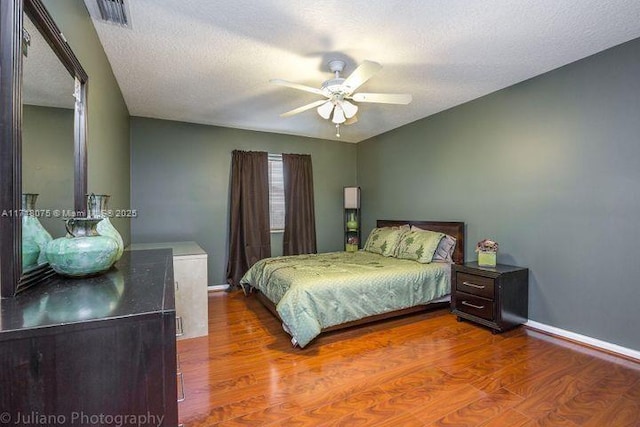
x: 349, y: 109
x: 325, y: 110
x: 338, y: 115
x: 338, y: 91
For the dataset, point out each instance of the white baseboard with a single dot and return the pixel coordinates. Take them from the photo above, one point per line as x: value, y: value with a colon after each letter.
x: 212, y: 288
x: 583, y: 339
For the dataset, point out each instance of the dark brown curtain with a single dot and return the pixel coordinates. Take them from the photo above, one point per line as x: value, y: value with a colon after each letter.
x: 299, y: 219
x: 249, y: 230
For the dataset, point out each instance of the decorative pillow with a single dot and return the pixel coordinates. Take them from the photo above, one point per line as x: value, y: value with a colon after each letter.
x: 445, y: 249
x: 384, y: 240
x: 419, y: 245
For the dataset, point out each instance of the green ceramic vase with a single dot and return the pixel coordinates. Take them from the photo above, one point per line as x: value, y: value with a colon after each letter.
x: 83, y: 252
x: 352, y: 223
x: 97, y: 208
x: 30, y: 254
x: 34, y: 236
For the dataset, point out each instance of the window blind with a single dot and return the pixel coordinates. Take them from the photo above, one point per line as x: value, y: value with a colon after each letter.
x: 276, y: 192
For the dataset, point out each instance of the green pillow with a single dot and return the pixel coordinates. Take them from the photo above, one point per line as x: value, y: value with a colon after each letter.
x: 384, y: 241
x: 419, y: 245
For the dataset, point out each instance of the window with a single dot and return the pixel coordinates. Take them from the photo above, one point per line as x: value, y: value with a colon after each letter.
x: 276, y: 193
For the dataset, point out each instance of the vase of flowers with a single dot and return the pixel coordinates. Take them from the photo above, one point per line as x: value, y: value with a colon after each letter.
x: 352, y: 244
x: 487, y: 252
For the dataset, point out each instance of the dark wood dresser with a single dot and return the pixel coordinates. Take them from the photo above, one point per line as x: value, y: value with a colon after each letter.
x: 497, y: 297
x: 86, y: 351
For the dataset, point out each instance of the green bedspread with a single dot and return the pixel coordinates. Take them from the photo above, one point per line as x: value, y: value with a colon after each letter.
x: 312, y: 292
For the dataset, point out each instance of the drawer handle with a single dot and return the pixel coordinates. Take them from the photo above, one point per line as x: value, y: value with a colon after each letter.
x: 181, y: 396
x: 177, y: 285
x: 479, y: 307
x: 179, y: 328
x: 473, y: 285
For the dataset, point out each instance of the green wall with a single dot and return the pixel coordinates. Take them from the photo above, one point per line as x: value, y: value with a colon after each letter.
x: 550, y: 168
x: 47, y: 161
x: 180, y: 175
x: 108, y: 135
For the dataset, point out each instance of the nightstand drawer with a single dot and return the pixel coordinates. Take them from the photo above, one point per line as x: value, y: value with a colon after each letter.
x: 474, y: 305
x: 475, y: 285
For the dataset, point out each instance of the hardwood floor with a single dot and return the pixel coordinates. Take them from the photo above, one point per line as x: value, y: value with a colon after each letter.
x: 419, y: 370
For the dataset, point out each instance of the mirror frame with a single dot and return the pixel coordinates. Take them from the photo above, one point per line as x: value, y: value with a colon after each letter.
x: 12, y: 280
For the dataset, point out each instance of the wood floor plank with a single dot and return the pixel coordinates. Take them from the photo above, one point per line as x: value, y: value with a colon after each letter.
x: 634, y: 392
x: 584, y: 405
x: 509, y: 418
x: 556, y: 392
x: 624, y: 412
x: 425, y: 369
x: 482, y: 409
x: 276, y: 414
x: 554, y: 420
x: 436, y: 406
x: 405, y: 419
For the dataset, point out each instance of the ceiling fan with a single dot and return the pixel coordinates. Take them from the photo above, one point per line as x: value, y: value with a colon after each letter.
x: 339, y: 92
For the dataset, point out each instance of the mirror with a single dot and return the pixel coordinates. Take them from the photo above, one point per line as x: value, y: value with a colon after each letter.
x: 48, y: 107
x: 44, y: 93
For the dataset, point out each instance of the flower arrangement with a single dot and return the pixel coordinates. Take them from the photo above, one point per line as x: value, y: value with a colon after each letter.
x: 352, y: 244
x: 487, y: 245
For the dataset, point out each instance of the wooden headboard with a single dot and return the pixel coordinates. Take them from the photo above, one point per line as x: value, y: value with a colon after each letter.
x: 454, y: 229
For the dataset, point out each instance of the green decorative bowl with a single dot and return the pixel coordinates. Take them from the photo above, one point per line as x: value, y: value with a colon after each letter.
x: 83, y: 252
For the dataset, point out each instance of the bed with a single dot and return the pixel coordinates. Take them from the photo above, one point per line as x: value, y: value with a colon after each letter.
x: 316, y: 293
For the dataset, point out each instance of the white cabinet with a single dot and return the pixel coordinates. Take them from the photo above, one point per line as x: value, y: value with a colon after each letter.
x: 190, y: 280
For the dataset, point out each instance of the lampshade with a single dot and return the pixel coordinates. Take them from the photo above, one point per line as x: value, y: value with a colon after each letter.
x: 338, y: 115
x: 325, y: 109
x: 349, y: 109
x: 351, y: 197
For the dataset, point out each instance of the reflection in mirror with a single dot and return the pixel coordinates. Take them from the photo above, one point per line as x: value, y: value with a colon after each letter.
x: 49, y: 153
x: 35, y: 237
x: 47, y: 145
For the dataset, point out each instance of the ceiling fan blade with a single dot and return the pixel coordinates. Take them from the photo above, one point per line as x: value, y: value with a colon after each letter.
x: 325, y: 109
x: 349, y: 109
x: 360, y: 75
x: 383, y: 98
x: 298, y: 86
x: 303, y: 108
x: 351, y: 121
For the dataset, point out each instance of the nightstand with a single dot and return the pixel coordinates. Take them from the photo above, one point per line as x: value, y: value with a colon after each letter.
x: 497, y: 297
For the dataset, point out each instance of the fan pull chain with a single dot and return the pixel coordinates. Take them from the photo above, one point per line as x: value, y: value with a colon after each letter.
x: 338, y: 130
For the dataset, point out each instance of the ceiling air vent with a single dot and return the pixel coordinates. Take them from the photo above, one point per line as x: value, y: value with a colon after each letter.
x: 110, y: 11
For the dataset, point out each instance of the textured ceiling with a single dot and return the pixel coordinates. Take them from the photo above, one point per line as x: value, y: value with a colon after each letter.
x: 210, y: 61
